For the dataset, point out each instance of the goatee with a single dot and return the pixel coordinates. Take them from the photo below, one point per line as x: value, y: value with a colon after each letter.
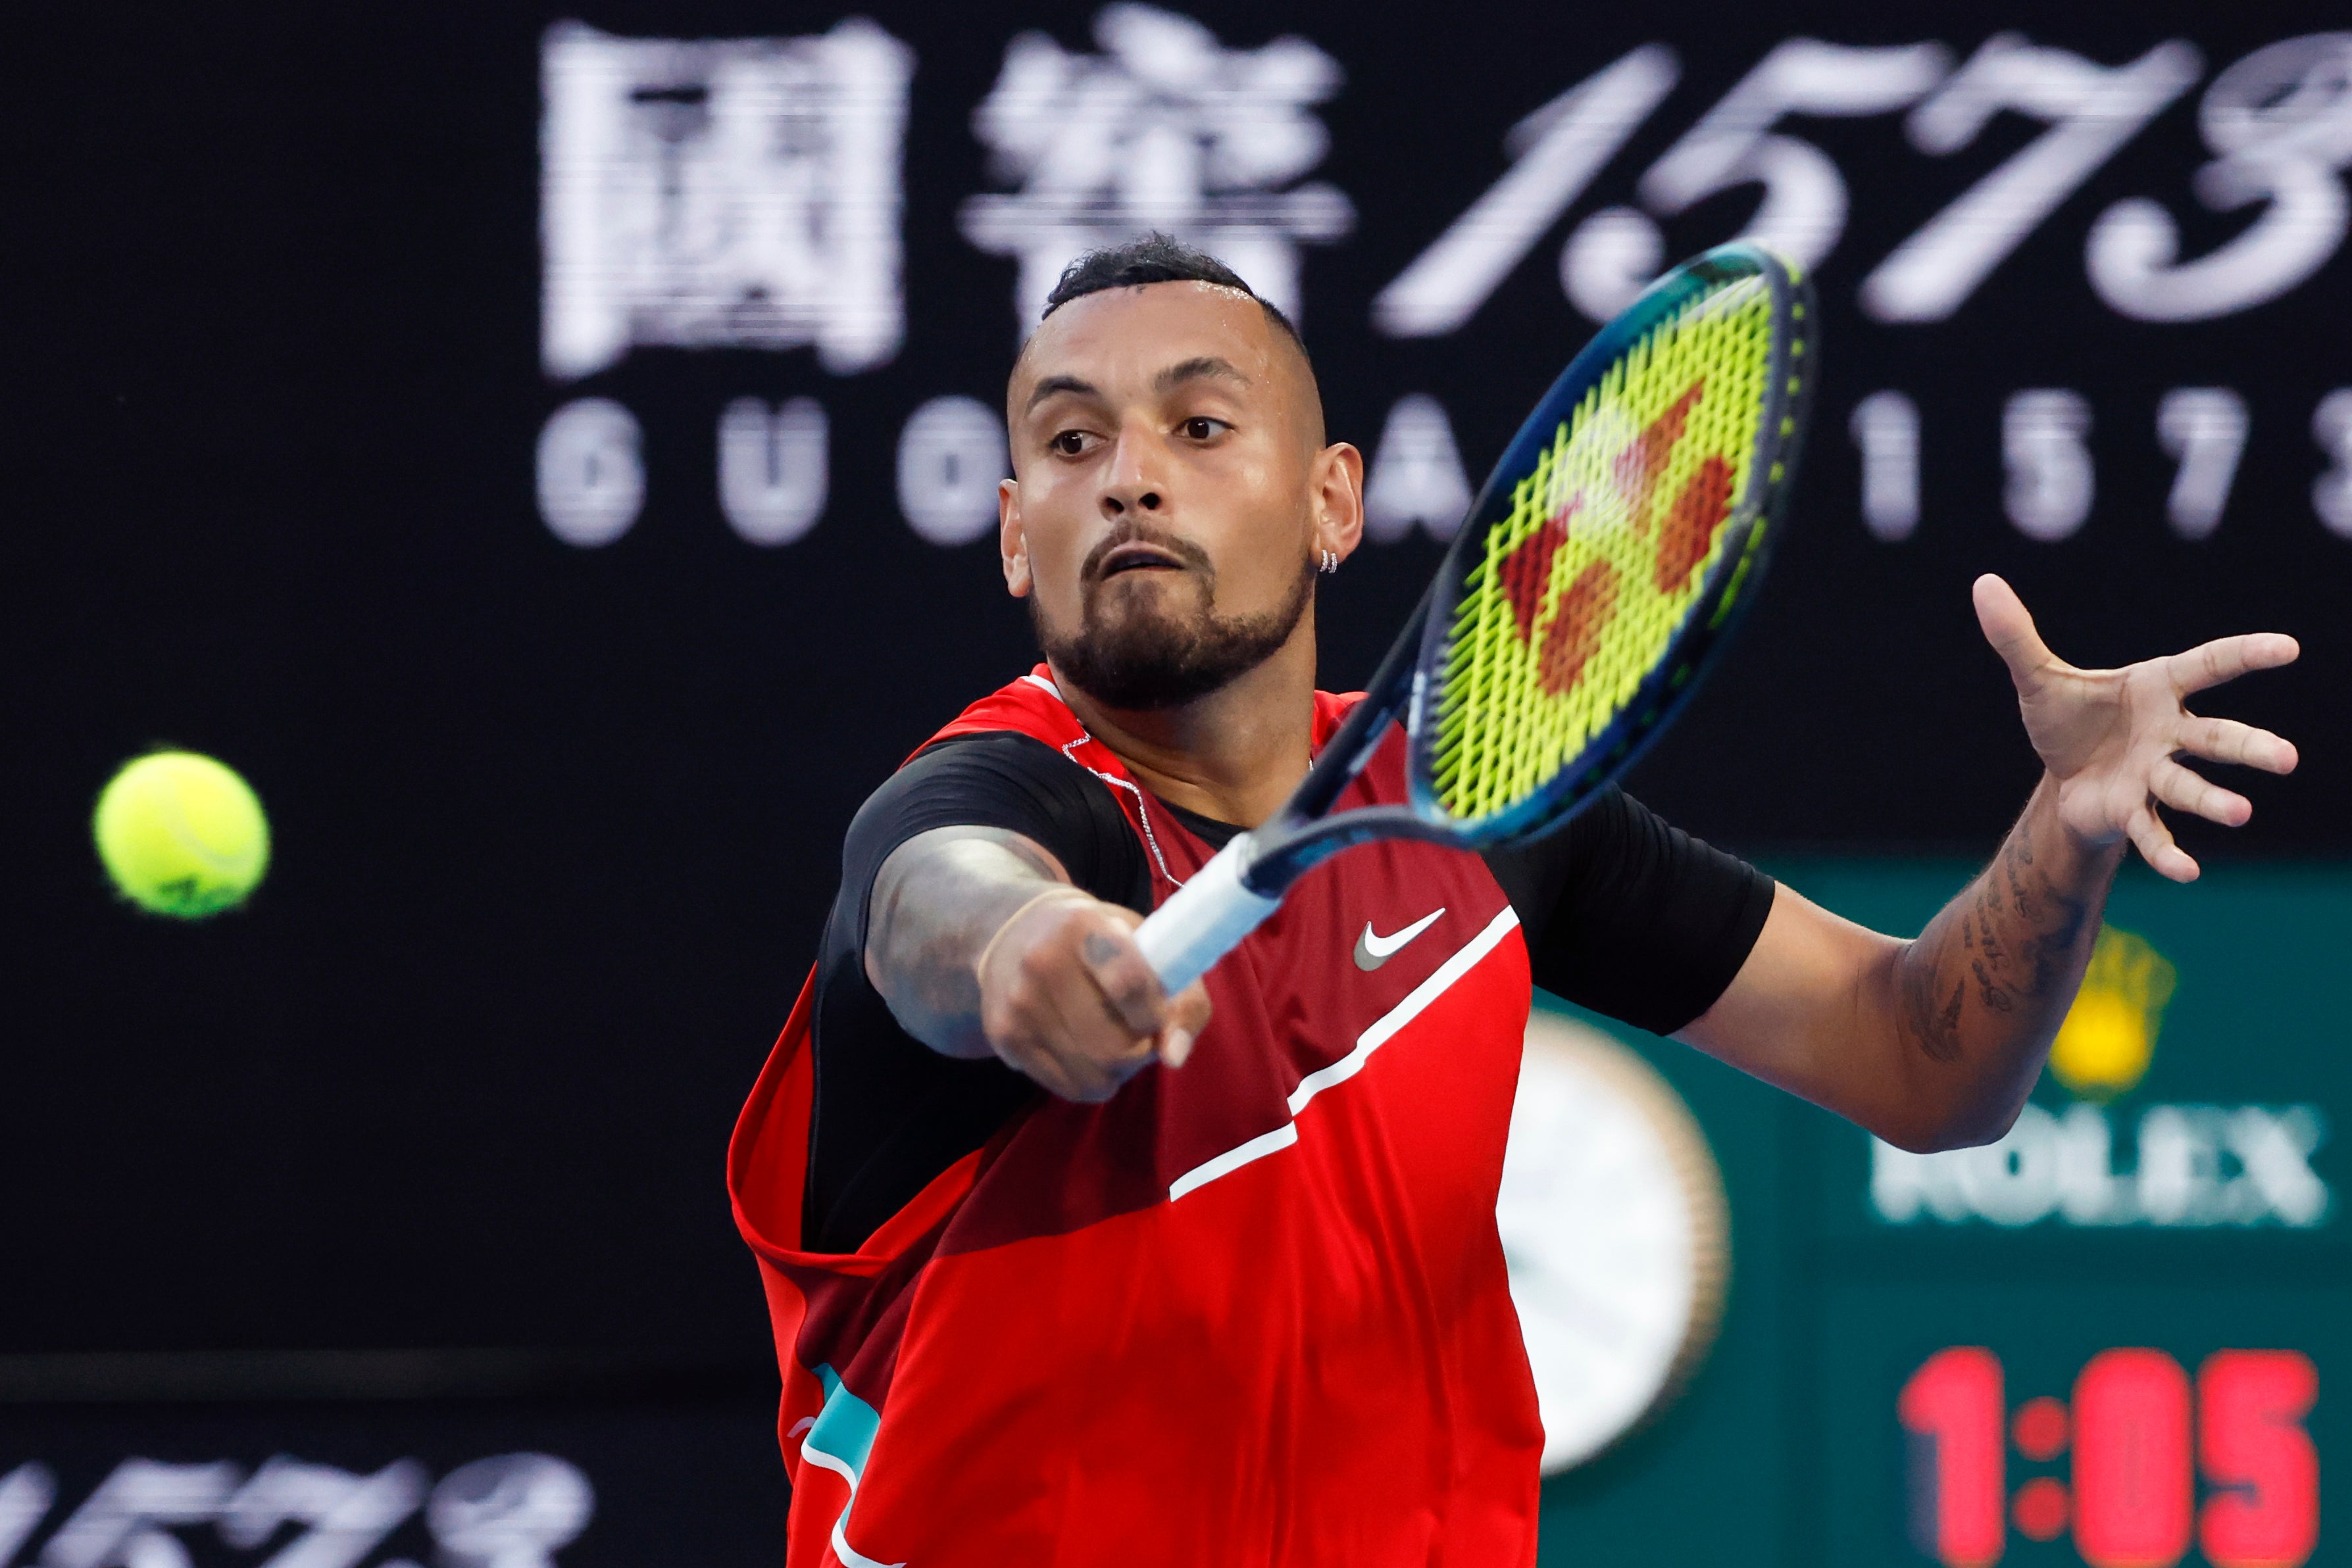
x: 1132, y: 651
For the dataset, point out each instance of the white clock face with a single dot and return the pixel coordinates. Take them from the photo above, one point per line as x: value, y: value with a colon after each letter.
x: 1614, y: 1226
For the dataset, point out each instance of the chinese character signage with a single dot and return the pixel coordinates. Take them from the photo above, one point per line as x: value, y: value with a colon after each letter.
x: 741, y: 192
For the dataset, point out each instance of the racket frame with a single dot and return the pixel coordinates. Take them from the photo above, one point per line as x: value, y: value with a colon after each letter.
x: 1244, y: 881
x: 1301, y: 836
x: 1753, y: 521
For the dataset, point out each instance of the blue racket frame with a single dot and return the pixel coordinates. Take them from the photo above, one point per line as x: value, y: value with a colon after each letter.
x: 1301, y: 835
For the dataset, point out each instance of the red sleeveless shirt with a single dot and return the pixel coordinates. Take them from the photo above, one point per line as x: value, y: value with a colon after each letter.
x: 1250, y: 1312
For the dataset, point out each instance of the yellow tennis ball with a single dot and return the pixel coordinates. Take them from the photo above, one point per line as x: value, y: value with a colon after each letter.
x: 181, y: 834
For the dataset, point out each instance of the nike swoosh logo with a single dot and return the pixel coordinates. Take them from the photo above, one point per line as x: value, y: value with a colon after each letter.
x: 1372, y: 949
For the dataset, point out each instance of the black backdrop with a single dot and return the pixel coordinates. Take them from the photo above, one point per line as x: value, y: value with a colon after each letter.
x: 555, y: 826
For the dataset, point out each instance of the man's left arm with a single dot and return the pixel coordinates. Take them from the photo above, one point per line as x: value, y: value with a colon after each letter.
x: 1934, y: 1042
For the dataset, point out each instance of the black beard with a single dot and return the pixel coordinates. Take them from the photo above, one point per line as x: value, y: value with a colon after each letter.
x: 1140, y: 659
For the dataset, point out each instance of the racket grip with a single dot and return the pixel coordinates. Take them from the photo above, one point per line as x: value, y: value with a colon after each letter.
x: 1205, y: 919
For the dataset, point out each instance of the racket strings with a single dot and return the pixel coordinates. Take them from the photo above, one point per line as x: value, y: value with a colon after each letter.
x: 1586, y: 581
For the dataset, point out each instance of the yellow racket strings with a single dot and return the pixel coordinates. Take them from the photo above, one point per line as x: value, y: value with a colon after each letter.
x: 1610, y: 542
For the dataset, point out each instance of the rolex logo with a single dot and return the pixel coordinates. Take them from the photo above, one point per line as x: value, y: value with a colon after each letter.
x: 2081, y: 1164
x: 2104, y: 1047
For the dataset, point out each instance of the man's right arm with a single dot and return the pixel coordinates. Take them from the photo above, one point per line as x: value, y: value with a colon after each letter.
x: 980, y: 947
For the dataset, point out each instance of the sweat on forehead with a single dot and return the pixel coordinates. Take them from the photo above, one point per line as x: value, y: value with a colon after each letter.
x: 1172, y: 328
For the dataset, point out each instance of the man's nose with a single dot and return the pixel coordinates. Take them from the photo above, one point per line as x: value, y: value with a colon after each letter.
x: 1131, y: 484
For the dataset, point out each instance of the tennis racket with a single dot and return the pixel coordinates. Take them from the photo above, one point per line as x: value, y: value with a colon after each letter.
x: 1591, y: 580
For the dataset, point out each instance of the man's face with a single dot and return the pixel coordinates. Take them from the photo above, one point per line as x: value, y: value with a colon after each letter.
x: 1170, y: 480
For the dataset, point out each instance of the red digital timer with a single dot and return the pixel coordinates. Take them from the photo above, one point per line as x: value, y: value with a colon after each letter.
x: 2132, y: 1499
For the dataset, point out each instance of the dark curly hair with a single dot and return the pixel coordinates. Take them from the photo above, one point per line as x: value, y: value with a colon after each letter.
x: 1155, y: 258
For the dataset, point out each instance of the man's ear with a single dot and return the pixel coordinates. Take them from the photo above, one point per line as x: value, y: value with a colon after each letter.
x: 1338, y: 499
x: 1011, y: 540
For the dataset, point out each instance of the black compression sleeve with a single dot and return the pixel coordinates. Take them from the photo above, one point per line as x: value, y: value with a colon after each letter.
x: 891, y: 1112
x: 999, y: 780
x: 1632, y: 917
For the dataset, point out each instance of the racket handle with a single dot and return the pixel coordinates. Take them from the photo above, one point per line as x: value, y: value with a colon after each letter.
x: 1205, y: 919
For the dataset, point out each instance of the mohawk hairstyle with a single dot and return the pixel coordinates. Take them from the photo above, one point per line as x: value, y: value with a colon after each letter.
x: 1155, y: 258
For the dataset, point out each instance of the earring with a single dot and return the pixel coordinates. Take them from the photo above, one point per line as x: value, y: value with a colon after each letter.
x: 1330, y: 562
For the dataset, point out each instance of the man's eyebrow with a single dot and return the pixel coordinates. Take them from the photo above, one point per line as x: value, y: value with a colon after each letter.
x: 1177, y: 375
x: 1052, y: 385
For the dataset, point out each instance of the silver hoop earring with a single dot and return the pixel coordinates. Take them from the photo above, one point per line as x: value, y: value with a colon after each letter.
x: 1330, y: 562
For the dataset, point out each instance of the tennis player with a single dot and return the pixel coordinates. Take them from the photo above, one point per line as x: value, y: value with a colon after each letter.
x: 1064, y: 1270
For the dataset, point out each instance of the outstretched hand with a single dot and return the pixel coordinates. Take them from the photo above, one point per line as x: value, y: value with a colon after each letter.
x: 2113, y: 739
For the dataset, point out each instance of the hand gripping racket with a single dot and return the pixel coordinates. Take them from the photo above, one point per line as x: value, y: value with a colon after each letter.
x: 1592, y: 579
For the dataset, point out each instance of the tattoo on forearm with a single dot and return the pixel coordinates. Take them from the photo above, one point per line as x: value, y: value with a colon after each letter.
x: 2019, y: 940
x: 1935, y: 1028
x: 1996, y: 996
x: 1994, y: 953
x: 1026, y: 852
x: 2052, y: 951
x: 936, y: 902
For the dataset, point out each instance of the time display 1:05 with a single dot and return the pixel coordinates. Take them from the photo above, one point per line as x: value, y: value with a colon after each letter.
x: 2138, y: 1437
